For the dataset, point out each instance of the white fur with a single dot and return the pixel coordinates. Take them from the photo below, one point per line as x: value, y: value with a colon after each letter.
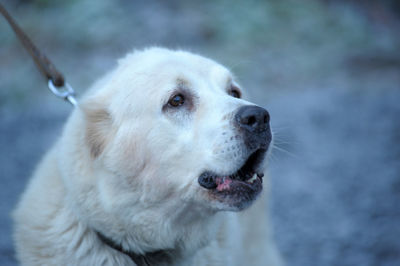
x: 128, y: 168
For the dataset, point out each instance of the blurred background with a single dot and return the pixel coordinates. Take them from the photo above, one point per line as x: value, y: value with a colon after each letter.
x: 328, y: 72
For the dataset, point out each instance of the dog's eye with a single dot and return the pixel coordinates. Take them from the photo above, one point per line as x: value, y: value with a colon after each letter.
x: 176, y: 100
x: 235, y: 93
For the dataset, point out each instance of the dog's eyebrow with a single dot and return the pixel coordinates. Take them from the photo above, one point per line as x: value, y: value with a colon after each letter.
x: 183, y: 87
x: 229, y: 82
x: 182, y: 83
x: 191, y: 96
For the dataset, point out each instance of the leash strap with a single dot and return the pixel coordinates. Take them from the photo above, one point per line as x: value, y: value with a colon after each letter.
x: 55, y: 79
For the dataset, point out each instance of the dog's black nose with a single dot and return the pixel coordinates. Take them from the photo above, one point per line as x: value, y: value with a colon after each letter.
x: 253, y: 118
x: 253, y: 122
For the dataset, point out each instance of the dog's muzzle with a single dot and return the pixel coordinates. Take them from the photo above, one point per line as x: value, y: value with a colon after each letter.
x: 239, y: 188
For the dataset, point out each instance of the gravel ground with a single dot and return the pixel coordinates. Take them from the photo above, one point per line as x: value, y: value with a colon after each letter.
x: 336, y: 194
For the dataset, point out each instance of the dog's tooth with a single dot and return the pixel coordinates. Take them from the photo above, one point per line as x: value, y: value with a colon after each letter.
x: 251, y: 180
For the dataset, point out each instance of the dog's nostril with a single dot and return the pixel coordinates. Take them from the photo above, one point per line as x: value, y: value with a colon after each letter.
x: 253, y: 117
x: 250, y: 120
x: 266, y: 118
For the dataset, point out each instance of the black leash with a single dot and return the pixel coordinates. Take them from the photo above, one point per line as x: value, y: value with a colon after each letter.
x: 55, y: 79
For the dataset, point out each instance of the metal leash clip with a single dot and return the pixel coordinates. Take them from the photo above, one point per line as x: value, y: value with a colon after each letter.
x: 65, y: 92
x: 56, y: 82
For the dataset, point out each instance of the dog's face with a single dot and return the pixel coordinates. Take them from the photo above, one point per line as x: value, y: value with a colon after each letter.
x: 169, y: 128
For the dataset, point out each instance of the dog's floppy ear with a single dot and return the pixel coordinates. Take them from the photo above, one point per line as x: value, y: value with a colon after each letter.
x: 98, y: 125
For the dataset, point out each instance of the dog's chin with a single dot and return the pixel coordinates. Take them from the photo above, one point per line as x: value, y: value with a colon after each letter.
x: 235, y: 192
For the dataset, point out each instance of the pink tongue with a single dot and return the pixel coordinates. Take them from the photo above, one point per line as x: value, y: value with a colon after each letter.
x: 223, y: 183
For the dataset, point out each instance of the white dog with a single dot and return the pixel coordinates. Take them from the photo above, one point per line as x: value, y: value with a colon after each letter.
x: 152, y: 169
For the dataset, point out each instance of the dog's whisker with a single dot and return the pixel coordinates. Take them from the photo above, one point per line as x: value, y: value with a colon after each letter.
x: 284, y: 151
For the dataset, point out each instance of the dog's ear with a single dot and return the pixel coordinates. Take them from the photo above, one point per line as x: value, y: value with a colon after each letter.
x: 98, y: 125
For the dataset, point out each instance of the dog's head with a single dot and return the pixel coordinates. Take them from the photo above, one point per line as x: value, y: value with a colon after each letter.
x: 169, y: 127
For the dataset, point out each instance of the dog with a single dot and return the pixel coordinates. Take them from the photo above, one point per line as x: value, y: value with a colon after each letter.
x: 161, y: 163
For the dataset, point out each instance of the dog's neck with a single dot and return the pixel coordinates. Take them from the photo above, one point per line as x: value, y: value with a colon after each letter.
x: 182, y: 249
x: 159, y: 257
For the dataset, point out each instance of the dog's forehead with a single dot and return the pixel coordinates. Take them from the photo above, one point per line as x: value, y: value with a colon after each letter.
x: 167, y: 66
x: 190, y: 69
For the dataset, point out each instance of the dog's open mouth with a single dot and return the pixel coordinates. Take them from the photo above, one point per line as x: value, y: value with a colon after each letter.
x: 240, y: 188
